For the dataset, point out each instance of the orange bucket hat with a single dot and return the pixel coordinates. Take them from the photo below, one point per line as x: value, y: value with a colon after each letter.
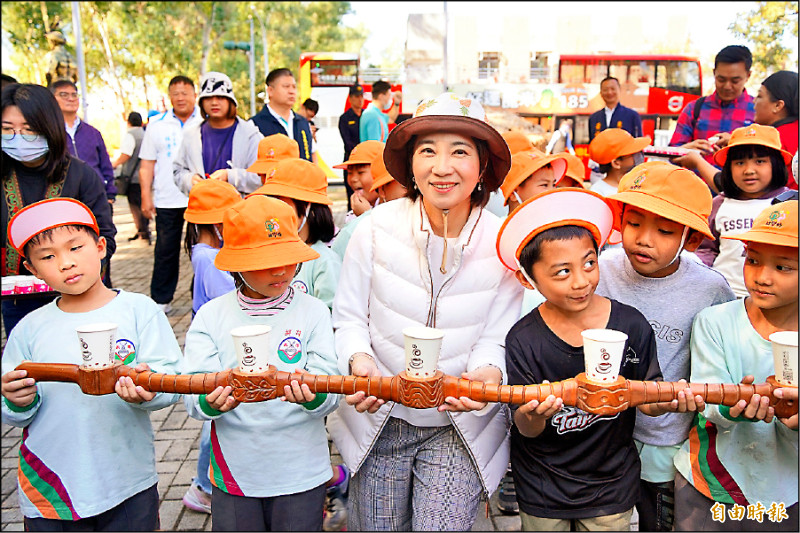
x: 380, y: 176
x: 363, y: 154
x: 43, y: 215
x: 297, y: 179
x: 753, y: 134
x: 612, y: 143
x: 777, y: 224
x: 575, y: 169
x: 271, y: 150
x: 569, y: 206
x: 260, y: 233
x: 208, y: 200
x: 517, y: 142
x: 523, y: 164
x: 672, y: 192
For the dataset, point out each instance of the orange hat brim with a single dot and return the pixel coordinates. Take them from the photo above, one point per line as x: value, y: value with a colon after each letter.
x: 379, y: 182
x: 352, y: 162
x: 263, y: 166
x: 295, y: 193
x: 661, y: 207
x: 552, y: 209
x: 205, y: 217
x: 559, y: 167
x: 264, y: 257
x: 721, y: 155
x: 765, y: 237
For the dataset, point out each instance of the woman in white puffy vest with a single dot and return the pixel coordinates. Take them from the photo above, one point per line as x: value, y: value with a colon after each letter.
x: 427, y: 260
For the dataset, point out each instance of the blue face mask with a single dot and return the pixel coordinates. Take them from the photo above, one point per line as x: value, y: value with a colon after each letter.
x: 22, y: 150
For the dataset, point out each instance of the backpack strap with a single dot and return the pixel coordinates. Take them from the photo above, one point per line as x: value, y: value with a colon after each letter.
x: 696, y: 110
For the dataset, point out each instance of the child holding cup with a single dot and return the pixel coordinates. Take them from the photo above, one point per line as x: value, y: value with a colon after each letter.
x: 269, y: 460
x: 569, y: 465
x: 663, y: 210
x: 208, y: 200
x: 86, y: 462
x: 740, y: 456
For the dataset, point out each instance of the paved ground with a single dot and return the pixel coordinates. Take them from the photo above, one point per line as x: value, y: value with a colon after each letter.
x: 176, y: 434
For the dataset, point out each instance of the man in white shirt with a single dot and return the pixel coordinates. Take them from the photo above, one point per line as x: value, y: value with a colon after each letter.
x: 160, y: 196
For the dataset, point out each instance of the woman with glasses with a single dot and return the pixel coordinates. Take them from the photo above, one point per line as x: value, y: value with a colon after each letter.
x: 35, y: 166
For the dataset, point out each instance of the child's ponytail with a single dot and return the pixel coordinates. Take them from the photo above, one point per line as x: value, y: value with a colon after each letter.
x: 319, y: 221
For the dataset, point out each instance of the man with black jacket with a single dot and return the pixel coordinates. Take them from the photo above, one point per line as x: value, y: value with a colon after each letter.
x: 349, y: 129
x: 277, y: 116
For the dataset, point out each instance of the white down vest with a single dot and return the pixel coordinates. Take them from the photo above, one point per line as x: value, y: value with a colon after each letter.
x: 386, y: 286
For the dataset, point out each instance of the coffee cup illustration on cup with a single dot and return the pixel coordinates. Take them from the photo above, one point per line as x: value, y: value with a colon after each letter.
x: 248, y: 359
x: 252, y: 348
x: 603, y: 367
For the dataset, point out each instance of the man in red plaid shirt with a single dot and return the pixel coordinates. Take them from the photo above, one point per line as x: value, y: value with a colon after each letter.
x: 727, y: 108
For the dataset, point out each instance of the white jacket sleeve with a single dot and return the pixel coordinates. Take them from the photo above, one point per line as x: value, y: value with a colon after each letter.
x: 351, y: 303
x: 182, y: 168
x: 244, y: 154
x: 490, y: 348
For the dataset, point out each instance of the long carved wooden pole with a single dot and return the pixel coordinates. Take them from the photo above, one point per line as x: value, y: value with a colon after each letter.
x: 606, y: 399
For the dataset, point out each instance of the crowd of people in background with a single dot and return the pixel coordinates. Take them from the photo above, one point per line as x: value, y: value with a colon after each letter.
x: 450, y: 224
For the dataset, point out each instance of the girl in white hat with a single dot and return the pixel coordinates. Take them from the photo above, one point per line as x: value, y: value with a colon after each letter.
x: 223, y: 146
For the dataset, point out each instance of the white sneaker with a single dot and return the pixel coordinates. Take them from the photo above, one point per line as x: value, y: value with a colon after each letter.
x: 197, y: 500
x: 165, y: 307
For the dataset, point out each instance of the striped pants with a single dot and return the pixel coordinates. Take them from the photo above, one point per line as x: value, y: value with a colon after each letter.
x: 415, y: 478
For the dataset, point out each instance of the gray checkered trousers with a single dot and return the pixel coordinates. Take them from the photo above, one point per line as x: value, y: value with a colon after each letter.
x: 415, y: 478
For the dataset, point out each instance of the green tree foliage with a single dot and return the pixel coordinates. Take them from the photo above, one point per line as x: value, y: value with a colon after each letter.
x: 765, y: 28
x: 134, y: 47
x: 26, y: 24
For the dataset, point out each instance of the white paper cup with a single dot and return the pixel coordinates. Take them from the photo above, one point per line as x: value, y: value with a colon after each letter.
x: 252, y: 347
x: 423, y: 346
x: 24, y: 285
x: 9, y: 283
x: 784, y: 355
x: 602, y: 352
x: 97, y: 344
x: 40, y: 286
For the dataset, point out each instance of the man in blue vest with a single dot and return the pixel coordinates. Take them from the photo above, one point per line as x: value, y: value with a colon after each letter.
x: 277, y: 115
x: 614, y: 114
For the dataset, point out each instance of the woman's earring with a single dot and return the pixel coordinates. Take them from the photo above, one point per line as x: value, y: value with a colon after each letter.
x: 480, y: 186
x: 414, y: 185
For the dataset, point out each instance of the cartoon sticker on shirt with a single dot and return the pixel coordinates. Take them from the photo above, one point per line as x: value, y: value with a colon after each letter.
x: 125, y: 351
x: 300, y: 286
x: 290, y: 350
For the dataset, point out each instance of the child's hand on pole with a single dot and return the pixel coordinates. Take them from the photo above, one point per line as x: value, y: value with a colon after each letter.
x: 18, y: 389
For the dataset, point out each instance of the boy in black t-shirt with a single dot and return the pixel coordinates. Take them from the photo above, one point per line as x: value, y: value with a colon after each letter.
x: 569, y: 464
